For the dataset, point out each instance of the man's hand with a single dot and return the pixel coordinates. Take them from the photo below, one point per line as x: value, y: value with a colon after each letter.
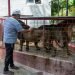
x: 27, y: 30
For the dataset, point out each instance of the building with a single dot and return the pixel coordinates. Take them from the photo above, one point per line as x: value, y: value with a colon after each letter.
x: 29, y: 8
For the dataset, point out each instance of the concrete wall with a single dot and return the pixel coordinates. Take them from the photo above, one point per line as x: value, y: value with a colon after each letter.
x: 53, y: 66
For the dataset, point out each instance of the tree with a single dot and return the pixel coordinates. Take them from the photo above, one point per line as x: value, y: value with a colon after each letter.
x: 54, y: 7
x: 73, y: 2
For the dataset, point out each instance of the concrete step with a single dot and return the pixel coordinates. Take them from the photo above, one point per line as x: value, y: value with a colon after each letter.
x: 24, y: 70
x: 33, y: 71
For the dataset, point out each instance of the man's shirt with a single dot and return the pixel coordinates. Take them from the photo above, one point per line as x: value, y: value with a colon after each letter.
x: 11, y: 28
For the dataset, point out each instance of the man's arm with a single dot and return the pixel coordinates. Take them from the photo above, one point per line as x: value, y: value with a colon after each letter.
x: 25, y: 31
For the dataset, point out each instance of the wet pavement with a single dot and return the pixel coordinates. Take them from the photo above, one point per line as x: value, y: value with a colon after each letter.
x: 23, y: 70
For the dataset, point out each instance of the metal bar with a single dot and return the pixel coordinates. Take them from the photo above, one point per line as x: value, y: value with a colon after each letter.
x: 49, y: 18
x: 66, y: 7
x: 9, y: 8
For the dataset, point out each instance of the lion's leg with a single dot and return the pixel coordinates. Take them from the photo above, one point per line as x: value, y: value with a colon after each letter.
x: 36, y: 45
x: 21, y: 45
x: 66, y: 48
x: 27, y: 45
x: 47, y: 45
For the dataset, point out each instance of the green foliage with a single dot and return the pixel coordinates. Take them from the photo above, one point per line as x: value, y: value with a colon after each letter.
x: 58, y: 7
x: 54, y: 7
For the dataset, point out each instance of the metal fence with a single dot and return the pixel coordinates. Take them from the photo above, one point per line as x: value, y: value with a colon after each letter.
x: 67, y: 24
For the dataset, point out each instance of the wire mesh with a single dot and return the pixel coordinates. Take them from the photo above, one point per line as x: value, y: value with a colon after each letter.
x: 56, y: 34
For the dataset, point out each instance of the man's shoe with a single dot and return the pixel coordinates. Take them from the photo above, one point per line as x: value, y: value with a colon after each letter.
x: 14, y: 67
x: 7, y: 72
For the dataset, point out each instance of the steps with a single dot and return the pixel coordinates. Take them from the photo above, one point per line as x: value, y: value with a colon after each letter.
x: 55, y: 66
x: 43, y: 65
x: 24, y: 70
x: 32, y: 71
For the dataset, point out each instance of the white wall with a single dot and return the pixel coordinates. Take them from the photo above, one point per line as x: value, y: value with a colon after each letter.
x: 37, y: 10
x: 43, y: 8
x: 3, y: 7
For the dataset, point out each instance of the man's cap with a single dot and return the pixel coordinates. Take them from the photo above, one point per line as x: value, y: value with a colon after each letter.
x: 16, y: 12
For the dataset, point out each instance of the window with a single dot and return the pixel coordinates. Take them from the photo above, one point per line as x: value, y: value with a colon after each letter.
x: 34, y: 1
x: 30, y: 1
x: 38, y: 1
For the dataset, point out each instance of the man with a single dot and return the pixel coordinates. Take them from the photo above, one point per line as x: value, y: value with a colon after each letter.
x: 11, y: 28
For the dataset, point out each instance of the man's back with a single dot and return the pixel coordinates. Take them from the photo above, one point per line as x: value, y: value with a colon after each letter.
x: 11, y: 27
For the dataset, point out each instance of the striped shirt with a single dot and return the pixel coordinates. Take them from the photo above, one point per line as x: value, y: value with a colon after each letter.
x: 11, y: 29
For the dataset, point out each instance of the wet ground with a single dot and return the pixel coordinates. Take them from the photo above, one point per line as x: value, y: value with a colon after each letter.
x: 20, y: 71
x: 23, y: 70
x: 60, y: 53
